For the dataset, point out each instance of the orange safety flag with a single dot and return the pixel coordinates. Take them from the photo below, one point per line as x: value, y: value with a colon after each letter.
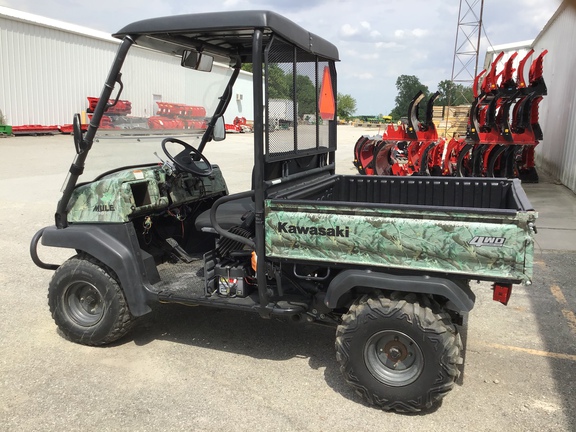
x: 327, y: 104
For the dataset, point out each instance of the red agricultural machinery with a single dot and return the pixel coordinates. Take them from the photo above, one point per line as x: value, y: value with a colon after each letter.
x: 502, y: 132
x: 170, y: 116
x: 178, y: 116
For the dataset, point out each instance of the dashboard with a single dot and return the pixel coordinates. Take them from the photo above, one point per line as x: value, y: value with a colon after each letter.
x: 133, y: 192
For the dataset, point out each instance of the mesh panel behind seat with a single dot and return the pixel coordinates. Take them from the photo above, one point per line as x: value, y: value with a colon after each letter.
x: 293, y: 82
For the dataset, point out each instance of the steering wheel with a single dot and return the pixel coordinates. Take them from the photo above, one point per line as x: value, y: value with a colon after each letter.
x: 184, y: 162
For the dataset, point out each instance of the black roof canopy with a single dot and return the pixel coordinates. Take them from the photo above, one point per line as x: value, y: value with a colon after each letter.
x: 225, y: 33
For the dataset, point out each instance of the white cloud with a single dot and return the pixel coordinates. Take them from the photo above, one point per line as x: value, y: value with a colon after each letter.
x: 347, y: 31
x: 419, y: 32
x: 361, y: 33
x: 387, y: 45
x: 370, y: 56
x: 349, y: 52
x: 363, y: 76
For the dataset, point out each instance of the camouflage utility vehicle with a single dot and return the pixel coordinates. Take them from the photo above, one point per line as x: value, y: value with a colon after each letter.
x: 387, y: 261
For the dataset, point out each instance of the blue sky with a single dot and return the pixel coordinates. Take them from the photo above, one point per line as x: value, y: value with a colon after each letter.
x: 378, y: 40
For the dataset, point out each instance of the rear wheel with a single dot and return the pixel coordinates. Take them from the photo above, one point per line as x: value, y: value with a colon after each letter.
x: 399, y: 353
x: 87, y: 302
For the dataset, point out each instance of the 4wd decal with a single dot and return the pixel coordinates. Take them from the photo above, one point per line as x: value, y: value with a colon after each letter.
x: 487, y: 241
x: 336, y: 231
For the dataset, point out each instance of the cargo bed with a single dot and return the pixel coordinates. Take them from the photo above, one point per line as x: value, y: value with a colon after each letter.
x: 477, y: 228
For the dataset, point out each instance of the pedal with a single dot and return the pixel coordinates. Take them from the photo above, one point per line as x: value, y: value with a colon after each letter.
x: 179, y: 252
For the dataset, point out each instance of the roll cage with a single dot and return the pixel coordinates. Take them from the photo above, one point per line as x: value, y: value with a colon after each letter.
x: 287, y: 149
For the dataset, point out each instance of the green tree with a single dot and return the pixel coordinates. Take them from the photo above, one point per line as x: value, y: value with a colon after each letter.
x: 305, y: 93
x: 346, y: 105
x: 278, y: 87
x: 408, y: 86
x: 277, y: 81
x: 454, y: 94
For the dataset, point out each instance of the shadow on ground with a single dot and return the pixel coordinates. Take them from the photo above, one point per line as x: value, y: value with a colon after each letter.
x: 247, y: 334
x: 244, y: 334
x: 557, y: 268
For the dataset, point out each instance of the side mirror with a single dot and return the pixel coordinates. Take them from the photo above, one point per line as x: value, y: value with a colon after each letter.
x: 197, y: 61
x: 78, y: 136
x: 219, y: 133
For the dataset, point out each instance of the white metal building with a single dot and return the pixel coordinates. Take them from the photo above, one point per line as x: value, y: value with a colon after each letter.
x: 48, y: 68
x: 556, y: 154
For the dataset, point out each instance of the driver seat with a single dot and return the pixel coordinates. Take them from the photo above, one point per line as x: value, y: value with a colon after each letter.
x: 229, y: 215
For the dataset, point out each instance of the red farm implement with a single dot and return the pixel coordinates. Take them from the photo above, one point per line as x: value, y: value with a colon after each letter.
x: 242, y: 125
x: 178, y: 116
x: 69, y: 128
x: 170, y: 116
x: 35, y: 129
x: 168, y: 109
x: 121, y: 107
x: 503, y: 130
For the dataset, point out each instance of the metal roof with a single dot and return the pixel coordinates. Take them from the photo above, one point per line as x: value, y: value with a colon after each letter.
x: 223, y: 32
x: 26, y: 17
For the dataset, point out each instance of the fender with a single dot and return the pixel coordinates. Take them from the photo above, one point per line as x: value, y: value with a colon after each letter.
x: 459, y: 294
x: 116, y: 246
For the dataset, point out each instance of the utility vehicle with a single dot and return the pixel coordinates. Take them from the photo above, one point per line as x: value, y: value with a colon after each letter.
x: 387, y: 261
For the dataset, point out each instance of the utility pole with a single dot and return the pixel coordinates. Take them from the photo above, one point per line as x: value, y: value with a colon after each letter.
x: 466, y: 50
x: 467, y: 43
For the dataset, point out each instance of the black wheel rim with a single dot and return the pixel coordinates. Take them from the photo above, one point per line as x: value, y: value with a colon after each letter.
x: 393, y: 358
x: 83, y: 303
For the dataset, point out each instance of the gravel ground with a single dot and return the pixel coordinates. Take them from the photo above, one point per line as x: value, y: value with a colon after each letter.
x: 207, y: 369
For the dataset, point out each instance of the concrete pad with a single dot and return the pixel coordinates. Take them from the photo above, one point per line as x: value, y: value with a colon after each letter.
x: 212, y: 370
x: 556, y: 207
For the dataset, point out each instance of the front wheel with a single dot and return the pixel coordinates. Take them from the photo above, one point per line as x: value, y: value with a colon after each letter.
x: 399, y: 353
x: 87, y: 302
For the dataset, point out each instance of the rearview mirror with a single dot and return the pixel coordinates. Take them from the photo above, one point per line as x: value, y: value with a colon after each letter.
x: 219, y: 133
x: 78, y: 136
x: 197, y: 61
